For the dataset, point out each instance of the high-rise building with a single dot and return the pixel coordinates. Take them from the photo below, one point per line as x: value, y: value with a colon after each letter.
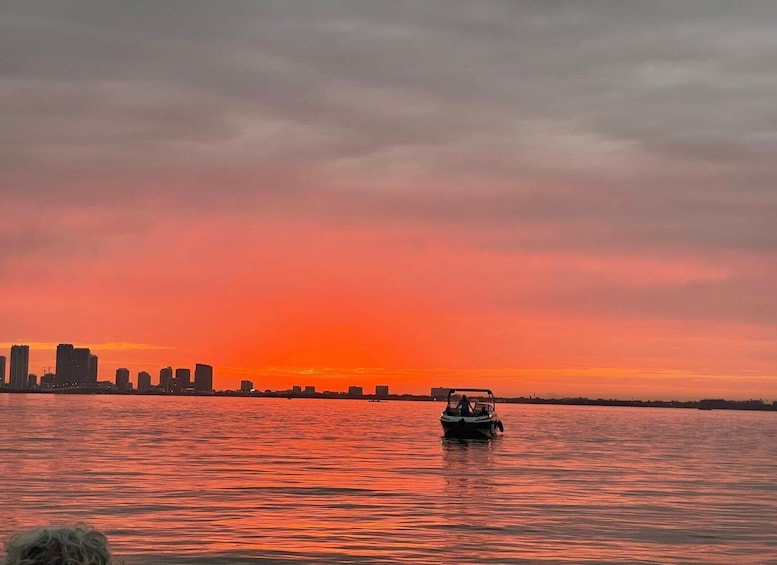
x: 64, y: 367
x: 310, y: 389
x: 81, y: 365
x: 166, y: 379
x: 439, y: 392
x: 122, y: 379
x: 92, y: 369
x: 2, y: 371
x: 355, y: 391
x: 183, y: 378
x: 246, y: 386
x: 381, y: 391
x: 32, y: 381
x: 144, y: 381
x: 203, y: 378
x: 20, y: 367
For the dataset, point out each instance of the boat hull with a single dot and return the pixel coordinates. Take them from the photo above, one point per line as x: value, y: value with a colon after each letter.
x: 470, y: 428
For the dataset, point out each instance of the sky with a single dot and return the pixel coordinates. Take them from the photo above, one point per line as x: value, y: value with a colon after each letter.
x: 543, y: 198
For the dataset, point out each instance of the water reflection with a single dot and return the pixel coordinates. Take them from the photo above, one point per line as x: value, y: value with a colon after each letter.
x: 468, y: 466
x: 264, y: 480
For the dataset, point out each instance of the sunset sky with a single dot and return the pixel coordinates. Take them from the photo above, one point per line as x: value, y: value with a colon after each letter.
x: 547, y: 198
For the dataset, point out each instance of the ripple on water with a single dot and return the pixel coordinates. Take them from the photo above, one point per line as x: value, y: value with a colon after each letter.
x: 206, y: 480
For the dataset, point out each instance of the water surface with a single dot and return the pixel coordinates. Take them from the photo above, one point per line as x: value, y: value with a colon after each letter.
x: 241, y: 480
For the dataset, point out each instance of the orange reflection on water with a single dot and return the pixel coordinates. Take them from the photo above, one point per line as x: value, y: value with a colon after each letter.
x: 204, y: 480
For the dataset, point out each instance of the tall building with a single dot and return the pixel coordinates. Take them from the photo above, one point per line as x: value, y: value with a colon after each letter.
x: 92, y: 369
x: 203, y: 378
x: 20, y: 367
x: 144, y: 381
x: 122, y: 379
x: 2, y: 371
x: 166, y: 379
x: 355, y: 391
x: 64, y: 367
x: 439, y: 392
x: 32, y: 381
x: 183, y: 378
x: 381, y: 391
x: 81, y: 365
x: 246, y: 386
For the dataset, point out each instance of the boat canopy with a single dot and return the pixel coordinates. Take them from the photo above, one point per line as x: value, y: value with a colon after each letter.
x: 455, y: 390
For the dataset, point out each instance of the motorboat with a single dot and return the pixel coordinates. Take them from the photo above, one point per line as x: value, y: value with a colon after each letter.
x: 471, y: 413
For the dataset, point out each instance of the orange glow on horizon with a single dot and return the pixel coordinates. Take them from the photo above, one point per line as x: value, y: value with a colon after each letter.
x: 335, y: 306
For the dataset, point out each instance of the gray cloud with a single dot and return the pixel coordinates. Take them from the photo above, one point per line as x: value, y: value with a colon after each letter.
x: 627, y: 126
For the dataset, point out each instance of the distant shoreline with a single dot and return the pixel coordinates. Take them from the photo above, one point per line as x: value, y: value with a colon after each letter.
x: 705, y: 404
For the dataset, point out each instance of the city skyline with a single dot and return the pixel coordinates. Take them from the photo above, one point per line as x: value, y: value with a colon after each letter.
x: 178, y: 381
x: 77, y: 367
x: 168, y: 379
x: 544, y: 198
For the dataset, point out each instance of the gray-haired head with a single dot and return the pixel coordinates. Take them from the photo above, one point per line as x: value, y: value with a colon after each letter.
x: 79, y: 545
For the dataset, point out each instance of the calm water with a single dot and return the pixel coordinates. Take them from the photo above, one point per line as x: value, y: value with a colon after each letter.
x: 240, y: 480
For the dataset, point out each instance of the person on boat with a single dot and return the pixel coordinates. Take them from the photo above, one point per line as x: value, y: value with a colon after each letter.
x: 59, y: 546
x: 464, y: 406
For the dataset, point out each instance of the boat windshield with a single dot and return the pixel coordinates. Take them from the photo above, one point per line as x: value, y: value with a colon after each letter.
x: 480, y: 401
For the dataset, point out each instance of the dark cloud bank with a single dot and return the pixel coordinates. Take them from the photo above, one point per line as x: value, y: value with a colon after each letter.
x: 625, y: 125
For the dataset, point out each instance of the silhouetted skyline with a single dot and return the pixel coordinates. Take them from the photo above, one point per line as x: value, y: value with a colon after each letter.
x: 77, y: 368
